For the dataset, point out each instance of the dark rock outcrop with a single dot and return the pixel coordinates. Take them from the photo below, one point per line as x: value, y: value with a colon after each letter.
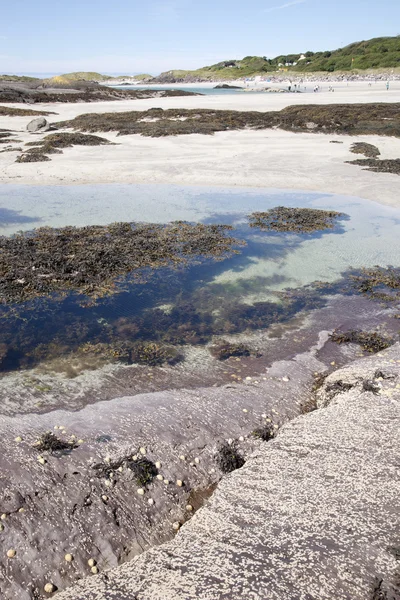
x: 226, y: 86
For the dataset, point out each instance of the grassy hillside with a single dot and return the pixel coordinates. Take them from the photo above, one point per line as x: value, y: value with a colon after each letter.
x: 80, y: 75
x: 378, y: 53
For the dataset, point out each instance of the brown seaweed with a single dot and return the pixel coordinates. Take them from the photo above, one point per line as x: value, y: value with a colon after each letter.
x: 296, y: 220
x: 370, y: 341
x: 90, y: 259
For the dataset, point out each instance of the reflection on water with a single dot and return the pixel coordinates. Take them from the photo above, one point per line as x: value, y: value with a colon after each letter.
x: 189, y: 306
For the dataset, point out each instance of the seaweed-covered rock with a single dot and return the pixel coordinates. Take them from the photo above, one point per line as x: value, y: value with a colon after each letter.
x: 371, y: 341
x: 389, y: 165
x: 296, y: 220
x: 53, y: 143
x: 224, y: 350
x: 228, y: 457
x: 369, y: 150
x: 90, y: 259
x: 153, y: 354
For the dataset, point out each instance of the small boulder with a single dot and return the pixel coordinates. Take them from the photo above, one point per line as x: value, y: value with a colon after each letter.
x: 38, y: 125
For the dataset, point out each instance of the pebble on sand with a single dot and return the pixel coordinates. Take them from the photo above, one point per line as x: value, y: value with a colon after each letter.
x: 182, y: 457
x: 104, y: 498
x: 18, y: 439
x: 1, y: 527
x: 49, y: 588
x: 68, y: 557
x: 150, y: 501
x: 142, y: 451
x: 245, y: 410
x: 91, y: 562
x: 3, y: 517
x: 41, y: 460
x: 140, y: 491
x: 158, y: 464
x: 94, y: 570
x: 166, y: 481
x: 11, y: 553
x: 176, y: 525
x: 160, y: 477
x: 189, y: 507
x: 197, y: 460
x: 179, y: 482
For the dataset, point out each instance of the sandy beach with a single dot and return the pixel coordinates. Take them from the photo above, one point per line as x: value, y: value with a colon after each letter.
x: 271, y: 158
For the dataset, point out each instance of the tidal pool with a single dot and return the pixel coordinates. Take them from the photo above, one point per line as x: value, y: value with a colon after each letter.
x: 188, y: 306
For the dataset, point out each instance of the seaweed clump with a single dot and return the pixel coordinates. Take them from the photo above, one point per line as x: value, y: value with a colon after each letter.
x: 225, y: 350
x: 296, y: 220
x: 338, y: 387
x: 144, y: 470
x: 351, y: 119
x: 369, y: 341
x: 265, y: 433
x: 378, y: 283
x: 90, y: 259
x: 53, y: 144
x: 368, y: 150
x: 153, y: 354
x: 389, y: 165
x: 228, y: 457
x: 51, y: 443
x: 6, y: 111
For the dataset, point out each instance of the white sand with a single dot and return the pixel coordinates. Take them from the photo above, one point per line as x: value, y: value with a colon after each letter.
x: 270, y: 158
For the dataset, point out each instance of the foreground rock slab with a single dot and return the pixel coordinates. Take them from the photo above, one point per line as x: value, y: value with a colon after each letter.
x: 313, y: 514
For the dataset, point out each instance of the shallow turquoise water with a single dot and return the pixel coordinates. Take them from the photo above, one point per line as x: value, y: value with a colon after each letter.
x: 190, y: 305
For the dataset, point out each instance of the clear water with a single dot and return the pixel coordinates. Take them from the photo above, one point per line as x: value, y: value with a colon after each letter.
x: 206, y: 299
x: 207, y: 91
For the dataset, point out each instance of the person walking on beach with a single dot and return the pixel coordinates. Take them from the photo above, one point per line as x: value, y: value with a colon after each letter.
x: 387, y: 85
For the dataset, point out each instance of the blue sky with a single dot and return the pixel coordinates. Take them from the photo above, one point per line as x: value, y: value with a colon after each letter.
x: 133, y: 36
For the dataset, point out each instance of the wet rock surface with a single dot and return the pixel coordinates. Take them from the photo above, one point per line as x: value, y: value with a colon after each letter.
x: 312, y: 513
x: 105, y: 483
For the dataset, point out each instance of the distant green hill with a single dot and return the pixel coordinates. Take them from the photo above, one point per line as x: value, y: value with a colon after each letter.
x: 378, y: 53
x: 78, y: 76
x: 18, y: 78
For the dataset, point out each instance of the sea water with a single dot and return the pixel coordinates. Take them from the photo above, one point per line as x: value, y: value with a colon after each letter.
x: 204, y: 296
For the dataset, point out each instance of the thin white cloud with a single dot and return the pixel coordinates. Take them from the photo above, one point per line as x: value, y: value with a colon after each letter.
x: 286, y: 5
x: 3, y: 38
